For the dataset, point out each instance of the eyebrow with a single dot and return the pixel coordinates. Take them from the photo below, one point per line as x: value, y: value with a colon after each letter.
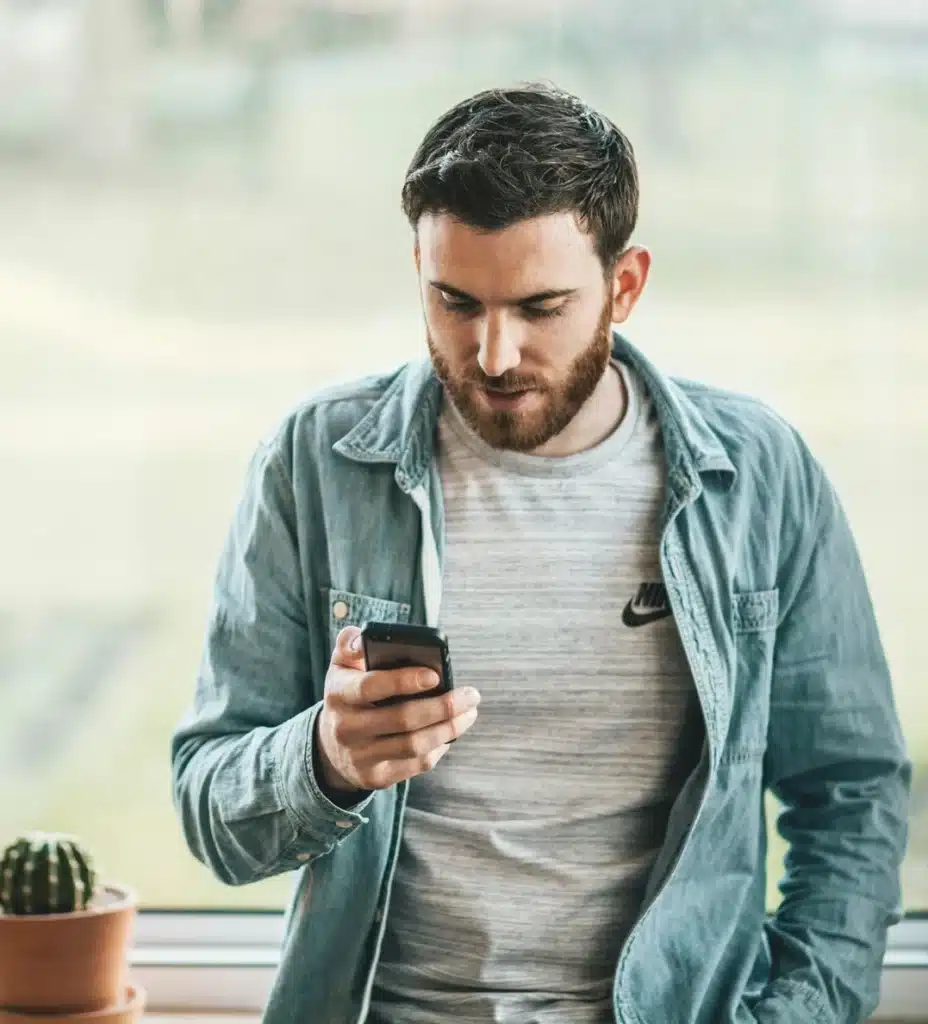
x: 551, y: 293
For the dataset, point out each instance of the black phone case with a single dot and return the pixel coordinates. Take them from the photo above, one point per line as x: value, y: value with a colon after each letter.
x: 397, y: 645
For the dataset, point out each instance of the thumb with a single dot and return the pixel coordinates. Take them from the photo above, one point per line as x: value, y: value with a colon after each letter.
x: 348, y: 651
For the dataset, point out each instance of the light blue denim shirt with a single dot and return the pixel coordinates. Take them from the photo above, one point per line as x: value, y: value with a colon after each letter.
x: 342, y: 508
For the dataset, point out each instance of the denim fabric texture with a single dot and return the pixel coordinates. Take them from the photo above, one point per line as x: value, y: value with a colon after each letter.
x: 341, y: 520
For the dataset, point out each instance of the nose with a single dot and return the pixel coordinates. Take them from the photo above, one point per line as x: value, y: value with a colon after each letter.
x: 499, y: 348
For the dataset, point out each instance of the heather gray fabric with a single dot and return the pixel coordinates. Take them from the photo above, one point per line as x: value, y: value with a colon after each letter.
x: 525, y: 852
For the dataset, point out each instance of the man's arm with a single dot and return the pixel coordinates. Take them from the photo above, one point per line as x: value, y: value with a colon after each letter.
x: 836, y: 760
x: 244, y: 785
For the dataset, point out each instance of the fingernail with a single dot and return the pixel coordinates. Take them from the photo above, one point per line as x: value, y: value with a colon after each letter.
x: 355, y: 644
x: 472, y: 696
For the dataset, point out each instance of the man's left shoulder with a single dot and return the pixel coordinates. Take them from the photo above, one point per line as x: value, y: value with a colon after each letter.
x: 747, y: 427
x: 775, y: 467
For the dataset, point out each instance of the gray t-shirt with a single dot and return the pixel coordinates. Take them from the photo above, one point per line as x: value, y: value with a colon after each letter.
x: 525, y: 852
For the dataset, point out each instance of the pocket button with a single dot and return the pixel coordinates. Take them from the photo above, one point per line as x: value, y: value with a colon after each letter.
x: 340, y: 610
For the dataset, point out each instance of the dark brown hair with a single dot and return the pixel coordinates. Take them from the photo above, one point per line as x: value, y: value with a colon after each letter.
x: 505, y: 155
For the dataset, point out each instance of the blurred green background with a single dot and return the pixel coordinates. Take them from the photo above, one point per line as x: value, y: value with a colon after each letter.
x: 200, y: 224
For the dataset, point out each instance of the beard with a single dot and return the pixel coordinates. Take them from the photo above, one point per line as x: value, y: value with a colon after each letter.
x: 553, y: 405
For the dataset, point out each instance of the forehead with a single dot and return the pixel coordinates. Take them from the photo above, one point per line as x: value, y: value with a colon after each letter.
x: 533, y: 255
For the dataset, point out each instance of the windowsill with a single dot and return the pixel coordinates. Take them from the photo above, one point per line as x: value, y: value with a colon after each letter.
x: 185, y: 995
x: 218, y: 968
x: 200, y: 1018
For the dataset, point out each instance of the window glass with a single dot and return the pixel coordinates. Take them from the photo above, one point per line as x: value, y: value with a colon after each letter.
x: 200, y: 223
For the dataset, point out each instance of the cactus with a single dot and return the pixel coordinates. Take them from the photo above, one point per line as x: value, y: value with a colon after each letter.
x: 45, y: 873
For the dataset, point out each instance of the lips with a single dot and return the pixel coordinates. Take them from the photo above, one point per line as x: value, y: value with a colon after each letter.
x: 506, y: 400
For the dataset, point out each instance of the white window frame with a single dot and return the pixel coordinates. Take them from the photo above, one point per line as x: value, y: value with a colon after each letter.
x: 225, y: 961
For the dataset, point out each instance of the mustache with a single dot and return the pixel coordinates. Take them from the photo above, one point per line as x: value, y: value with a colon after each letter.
x: 504, y: 384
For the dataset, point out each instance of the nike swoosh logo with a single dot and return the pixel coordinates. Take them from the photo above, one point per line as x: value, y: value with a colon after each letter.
x: 632, y: 618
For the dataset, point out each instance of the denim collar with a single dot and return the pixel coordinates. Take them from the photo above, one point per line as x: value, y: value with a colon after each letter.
x: 400, y: 428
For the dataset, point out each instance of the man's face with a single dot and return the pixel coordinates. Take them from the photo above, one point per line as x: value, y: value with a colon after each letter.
x: 525, y: 309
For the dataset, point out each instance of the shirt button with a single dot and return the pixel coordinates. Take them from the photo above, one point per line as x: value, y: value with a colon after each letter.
x: 340, y: 610
x: 304, y: 856
x: 344, y: 824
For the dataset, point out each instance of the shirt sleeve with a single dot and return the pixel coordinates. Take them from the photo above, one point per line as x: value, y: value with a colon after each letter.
x: 245, y: 791
x: 837, y: 762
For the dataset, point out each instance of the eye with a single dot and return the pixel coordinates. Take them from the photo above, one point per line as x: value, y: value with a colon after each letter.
x: 456, y: 304
x: 543, y: 312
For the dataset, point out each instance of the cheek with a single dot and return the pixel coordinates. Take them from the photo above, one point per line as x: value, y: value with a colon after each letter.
x: 560, y: 339
x: 456, y: 338
x: 589, y: 318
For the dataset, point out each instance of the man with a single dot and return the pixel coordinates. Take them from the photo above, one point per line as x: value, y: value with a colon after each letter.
x: 648, y: 585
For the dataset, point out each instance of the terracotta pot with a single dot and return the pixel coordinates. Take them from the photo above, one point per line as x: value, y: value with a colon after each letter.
x: 128, y: 1010
x: 68, y: 963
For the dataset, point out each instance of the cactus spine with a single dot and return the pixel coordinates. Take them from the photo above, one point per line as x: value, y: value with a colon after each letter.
x: 45, y: 873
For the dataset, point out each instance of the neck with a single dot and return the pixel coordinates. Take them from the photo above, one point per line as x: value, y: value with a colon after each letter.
x: 597, y: 419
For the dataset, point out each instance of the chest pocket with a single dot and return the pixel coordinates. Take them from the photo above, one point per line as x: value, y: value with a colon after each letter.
x: 754, y: 621
x: 348, y: 608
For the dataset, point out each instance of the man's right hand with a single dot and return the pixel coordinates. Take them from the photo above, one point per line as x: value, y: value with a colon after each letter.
x: 364, y: 747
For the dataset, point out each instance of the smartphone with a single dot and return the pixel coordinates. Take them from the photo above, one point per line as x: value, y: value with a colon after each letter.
x: 399, y: 645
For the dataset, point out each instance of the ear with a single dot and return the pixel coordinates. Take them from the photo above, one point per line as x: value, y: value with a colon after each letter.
x: 416, y: 256
x: 628, y: 281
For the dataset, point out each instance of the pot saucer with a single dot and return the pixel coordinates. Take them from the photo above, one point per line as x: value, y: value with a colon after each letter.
x: 127, y: 1011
